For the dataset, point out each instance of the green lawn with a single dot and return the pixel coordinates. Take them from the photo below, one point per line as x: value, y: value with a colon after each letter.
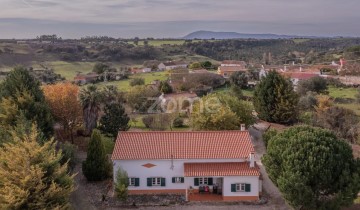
x: 246, y: 92
x: 69, y: 70
x: 124, y: 85
x: 342, y: 92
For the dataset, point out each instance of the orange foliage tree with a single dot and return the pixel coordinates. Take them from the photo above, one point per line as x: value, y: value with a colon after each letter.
x: 65, y: 106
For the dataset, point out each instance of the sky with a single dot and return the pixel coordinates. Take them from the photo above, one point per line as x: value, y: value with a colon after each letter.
x: 177, y: 18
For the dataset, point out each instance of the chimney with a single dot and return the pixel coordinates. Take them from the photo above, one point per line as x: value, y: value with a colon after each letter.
x: 252, y: 159
x: 242, y: 127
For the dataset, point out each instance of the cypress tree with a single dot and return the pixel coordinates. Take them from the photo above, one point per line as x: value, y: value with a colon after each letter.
x: 97, y: 166
x: 275, y: 99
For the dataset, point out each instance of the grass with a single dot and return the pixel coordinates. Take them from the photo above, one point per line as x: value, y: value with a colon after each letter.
x: 225, y: 90
x: 69, y: 70
x: 353, y: 106
x: 343, y: 92
x: 124, y: 85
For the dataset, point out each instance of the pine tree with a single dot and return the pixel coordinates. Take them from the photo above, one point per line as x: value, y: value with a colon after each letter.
x: 275, y: 99
x: 31, y: 176
x: 24, y: 91
x: 114, y: 119
x: 97, y: 166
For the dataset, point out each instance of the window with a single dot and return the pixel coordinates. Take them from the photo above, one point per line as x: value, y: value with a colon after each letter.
x: 203, y: 181
x: 131, y: 181
x: 134, y: 181
x: 240, y: 187
x: 178, y: 180
x: 156, y: 181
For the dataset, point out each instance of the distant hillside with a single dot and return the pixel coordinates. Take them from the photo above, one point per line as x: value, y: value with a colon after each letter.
x: 235, y: 35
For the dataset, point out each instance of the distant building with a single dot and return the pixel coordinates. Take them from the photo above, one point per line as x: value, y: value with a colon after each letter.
x: 85, y: 78
x: 140, y: 70
x: 228, y: 67
x: 172, y: 65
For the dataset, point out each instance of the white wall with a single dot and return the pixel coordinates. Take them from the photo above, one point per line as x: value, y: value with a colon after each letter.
x: 253, y: 180
x: 134, y: 168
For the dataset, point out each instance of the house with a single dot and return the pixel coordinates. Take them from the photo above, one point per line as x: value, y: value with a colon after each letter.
x: 295, y: 77
x: 233, y: 63
x: 140, y: 70
x: 227, y: 71
x: 86, y: 78
x: 173, y: 65
x: 189, y: 163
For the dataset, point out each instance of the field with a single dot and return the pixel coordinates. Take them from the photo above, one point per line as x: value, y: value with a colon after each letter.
x: 342, y: 92
x: 225, y: 90
x: 69, y: 70
x: 123, y: 85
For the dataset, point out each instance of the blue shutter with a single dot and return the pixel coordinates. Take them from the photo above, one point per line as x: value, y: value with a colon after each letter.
x: 173, y: 180
x: 233, y: 187
x: 182, y: 179
x: 210, y: 181
x: 196, y: 181
x: 163, y: 182
x: 137, y: 182
x: 149, y: 182
x: 247, y: 187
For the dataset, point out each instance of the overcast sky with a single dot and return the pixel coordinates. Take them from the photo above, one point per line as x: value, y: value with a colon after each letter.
x: 176, y: 18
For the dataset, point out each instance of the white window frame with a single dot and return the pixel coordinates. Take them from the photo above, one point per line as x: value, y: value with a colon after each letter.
x: 156, y: 181
x: 203, y: 181
x: 132, y: 181
x: 240, y: 187
x: 178, y: 179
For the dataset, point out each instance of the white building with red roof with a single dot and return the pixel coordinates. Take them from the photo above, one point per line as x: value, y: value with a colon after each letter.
x: 191, y: 163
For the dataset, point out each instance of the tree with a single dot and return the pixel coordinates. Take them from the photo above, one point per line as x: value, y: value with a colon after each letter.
x: 343, y: 122
x: 312, y: 168
x: 165, y: 88
x: 275, y: 99
x: 121, y: 185
x: 114, y: 120
x: 157, y: 122
x: 97, y: 166
x: 207, y: 65
x: 315, y: 84
x: 65, y: 106
x: 19, y: 84
x: 100, y: 68
x: 268, y: 135
x: 111, y: 94
x: 137, y: 81
x: 90, y: 99
x: 31, y: 175
x: 141, y: 98
x: 239, y: 79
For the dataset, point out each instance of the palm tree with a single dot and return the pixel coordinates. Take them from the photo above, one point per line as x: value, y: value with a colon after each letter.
x: 90, y: 99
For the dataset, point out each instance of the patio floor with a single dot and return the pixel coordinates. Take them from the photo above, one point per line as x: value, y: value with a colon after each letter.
x: 204, y: 197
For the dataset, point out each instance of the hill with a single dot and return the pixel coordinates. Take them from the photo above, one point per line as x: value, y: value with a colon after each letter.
x: 235, y: 35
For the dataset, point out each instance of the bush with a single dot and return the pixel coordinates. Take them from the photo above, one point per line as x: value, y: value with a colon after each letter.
x: 121, y: 185
x: 97, y: 166
x: 308, y: 101
x: 137, y: 81
x: 268, y: 135
x: 68, y: 154
x: 178, y: 122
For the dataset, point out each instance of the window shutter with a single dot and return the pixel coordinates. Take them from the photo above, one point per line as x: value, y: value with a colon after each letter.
x: 233, y: 187
x: 182, y: 179
x: 149, y: 182
x: 210, y: 181
x: 247, y: 187
x: 173, y: 180
x: 137, y: 182
x: 196, y: 181
x: 163, y: 183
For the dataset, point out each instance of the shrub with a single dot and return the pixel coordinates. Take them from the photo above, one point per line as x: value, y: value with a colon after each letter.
x: 178, y: 122
x: 137, y: 81
x: 121, y: 185
x: 68, y: 155
x: 268, y: 135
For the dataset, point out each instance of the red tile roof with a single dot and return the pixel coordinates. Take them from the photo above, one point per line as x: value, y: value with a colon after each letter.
x: 182, y: 145
x: 231, y: 68
x: 220, y: 169
x: 301, y: 75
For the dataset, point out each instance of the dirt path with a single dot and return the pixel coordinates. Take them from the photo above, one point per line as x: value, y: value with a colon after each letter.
x: 276, y: 199
x: 79, y: 199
